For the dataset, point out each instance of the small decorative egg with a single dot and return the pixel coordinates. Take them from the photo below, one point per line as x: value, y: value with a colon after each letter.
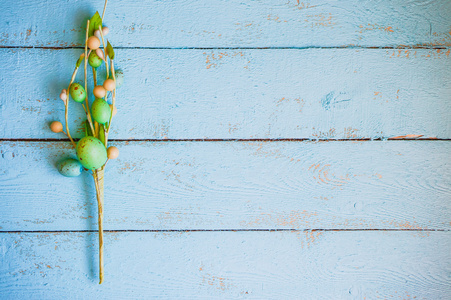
x: 94, y: 60
x: 77, y: 92
x: 119, y: 74
x: 91, y: 153
x: 63, y: 96
x: 113, y: 109
x: 112, y: 152
x: 101, y: 111
x: 97, y: 33
x: 105, y: 30
x: 100, y: 54
x: 109, y: 84
x: 93, y: 43
x: 56, y: 126
x: 70, y: 167
x: 99, y: 91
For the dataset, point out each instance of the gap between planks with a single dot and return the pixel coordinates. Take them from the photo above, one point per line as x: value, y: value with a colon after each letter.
x: 227, y: 230
x: 238, y: 140
x: 245, y: 48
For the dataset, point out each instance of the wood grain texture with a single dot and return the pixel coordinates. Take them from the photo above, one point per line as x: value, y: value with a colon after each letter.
x: 241, y: 94
x: 360, y: 220
x: 233, y: 185
x: 236, y: 23
x: 228, y: 265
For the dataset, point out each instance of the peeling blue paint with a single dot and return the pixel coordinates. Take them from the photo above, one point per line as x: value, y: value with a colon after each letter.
x: 333, y: 98
x: 325, y: 102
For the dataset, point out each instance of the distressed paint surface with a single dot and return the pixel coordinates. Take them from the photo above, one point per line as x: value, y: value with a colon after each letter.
x: 229, y: 265
x: 233, y: 185
x: 245, y: 93
x: 233, y: 23
x: 360, y: 220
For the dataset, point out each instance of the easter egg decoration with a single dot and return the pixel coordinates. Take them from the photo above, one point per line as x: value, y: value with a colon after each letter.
x: 91, y: 150
x: 93, y: 43
x: 63, y: 95
x: 94, y: 60
x: 101, y: 111
x: 99, y: 91
x: 109, y: 85
x: 77, y: 92
x: 100, y: 54
x: 105, y: 30
x: 97, y: 33
x: 112, y: 152
x: 56, y: 127
x: 70, y: 167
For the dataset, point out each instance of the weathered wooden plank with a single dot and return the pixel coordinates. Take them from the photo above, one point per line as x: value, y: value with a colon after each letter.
x: 217, y: 23
x: 233, y: 185
x: 225, y: 265
x: 264, y: 93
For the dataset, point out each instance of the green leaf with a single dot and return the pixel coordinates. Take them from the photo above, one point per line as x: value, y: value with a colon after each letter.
x: 88, y: 131
x: 94, y: 23
x: 109, y: 50
x: 102, y: 134
x: 79, y: 61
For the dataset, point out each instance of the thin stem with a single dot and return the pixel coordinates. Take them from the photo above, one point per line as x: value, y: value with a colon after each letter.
x: 88, y: 113
x: 84, y: 107
x: 66, y: 107
x: 104, y: 8
x: 94, y: 75
x: 96, y: 125
x: 67, y: 127
x: 113, y: 101
x: 73, y: 75
x: 98, y: 180
x: 104, y: 52
x: 73, y: 143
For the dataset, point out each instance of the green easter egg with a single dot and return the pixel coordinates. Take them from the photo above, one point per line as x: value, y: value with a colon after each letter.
x: 119, y: 74
x: 70, y: 167
x: 101, y: 111
x: 91, y: 153
x: 94, y: 60
x: 77, y: 92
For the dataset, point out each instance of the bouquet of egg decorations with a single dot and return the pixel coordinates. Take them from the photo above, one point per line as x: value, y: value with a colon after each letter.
x: 92, y: 150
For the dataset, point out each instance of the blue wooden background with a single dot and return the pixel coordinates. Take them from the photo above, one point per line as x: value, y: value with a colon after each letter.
x: 269, y: 150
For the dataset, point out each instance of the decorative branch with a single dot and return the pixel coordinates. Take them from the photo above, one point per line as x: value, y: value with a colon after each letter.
x: 92, y: 150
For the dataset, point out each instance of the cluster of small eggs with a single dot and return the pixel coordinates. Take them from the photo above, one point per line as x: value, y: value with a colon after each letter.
x: 91, y: 152
x: 97, y: 56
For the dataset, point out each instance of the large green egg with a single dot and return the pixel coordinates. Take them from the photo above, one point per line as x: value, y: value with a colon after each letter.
x: 91, y: 153
x: 101, y: 111
x: 70, y: 167
x: 77, y: 92
x: 94, y: 60
x: 119, y: 74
